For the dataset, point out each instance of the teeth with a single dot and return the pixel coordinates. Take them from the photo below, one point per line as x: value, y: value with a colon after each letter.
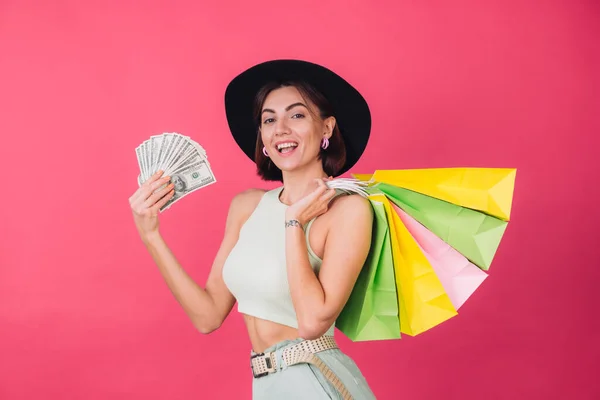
x: 286, y: 145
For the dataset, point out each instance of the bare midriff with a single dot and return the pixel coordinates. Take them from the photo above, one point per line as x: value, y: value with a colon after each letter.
x: 264, y: 334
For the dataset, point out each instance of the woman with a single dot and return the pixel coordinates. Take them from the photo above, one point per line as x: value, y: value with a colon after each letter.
x: 290, y: 256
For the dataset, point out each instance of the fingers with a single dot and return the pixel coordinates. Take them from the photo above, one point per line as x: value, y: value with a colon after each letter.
x: 321, y: 188
x: 154, y: 177
x: 147, y: 201
x: 147, y: 189
x: 328, y: 195
x: 323, y: 193
x: 157, y: 196
x: 163, y: 201
x: 144, y: 186
x: 321, y: 183
x: 158, y: 184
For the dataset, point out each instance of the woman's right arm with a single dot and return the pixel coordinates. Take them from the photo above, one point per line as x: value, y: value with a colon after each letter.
x: 207, y: 308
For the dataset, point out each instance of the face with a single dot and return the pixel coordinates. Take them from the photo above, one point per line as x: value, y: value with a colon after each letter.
x: 178, y: 183
x: 291, y: 129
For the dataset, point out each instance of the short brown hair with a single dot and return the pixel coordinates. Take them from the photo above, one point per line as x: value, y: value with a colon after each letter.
x: 333, y: 159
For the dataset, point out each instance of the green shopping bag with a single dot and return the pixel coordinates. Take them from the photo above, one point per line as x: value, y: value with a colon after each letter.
x: 371, y: 312
x: 472, y: 233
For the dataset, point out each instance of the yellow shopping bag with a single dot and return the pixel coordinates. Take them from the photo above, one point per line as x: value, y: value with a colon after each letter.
x: 489, y: 190
x: 423, y: 302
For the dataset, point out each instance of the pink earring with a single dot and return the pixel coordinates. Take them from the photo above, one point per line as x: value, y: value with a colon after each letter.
x: 324, y: 143
x: 265, y: 151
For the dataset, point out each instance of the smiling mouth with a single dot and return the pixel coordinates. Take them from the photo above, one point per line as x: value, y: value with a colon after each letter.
x: 284, y: 148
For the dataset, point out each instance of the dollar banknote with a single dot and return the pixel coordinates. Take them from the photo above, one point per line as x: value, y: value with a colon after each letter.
x: 181, y: 158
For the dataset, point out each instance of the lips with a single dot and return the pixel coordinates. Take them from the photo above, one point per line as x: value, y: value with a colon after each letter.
x: 286, y: 147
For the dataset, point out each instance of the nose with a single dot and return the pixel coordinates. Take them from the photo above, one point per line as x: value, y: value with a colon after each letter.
x: 281, y: 127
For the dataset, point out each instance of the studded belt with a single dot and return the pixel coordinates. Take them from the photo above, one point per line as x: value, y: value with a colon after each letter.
x: 264, y: 364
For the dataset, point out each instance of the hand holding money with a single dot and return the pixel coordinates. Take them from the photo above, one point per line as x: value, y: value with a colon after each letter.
x: 148, y: 200
x: 180, y: 158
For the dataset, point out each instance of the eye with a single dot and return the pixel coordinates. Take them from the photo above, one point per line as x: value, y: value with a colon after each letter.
x: 298, y: 115
x: 266, y: 121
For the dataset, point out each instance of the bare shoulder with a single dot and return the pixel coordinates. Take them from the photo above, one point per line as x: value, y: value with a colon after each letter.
x: 353, y: 207
x: 248, y: 198
x: 350, y: 213
x: 244, y: 203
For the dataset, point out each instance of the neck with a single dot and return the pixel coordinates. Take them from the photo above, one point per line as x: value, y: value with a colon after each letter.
x: 299, y: 183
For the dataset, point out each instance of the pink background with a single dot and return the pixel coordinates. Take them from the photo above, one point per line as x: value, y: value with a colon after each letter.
x: 84, y: 313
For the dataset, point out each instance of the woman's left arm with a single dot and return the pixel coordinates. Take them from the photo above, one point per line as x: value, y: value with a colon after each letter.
x: 319, y: 301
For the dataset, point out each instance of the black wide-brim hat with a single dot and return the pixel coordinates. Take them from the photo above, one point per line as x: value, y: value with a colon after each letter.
x: 350, y: 109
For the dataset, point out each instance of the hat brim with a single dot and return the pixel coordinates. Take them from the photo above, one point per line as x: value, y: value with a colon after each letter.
x: 350, y: 109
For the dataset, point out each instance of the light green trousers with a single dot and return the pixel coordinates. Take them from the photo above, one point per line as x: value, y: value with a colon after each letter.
x: 305, y: 381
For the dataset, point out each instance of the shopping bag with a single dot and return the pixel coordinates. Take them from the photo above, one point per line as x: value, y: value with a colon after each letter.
x: 423, y: 302
x: 371, y: 312
x: 458, y: 276
x: 472, y: 233
x: 489, y: 190
x: 445, y: 227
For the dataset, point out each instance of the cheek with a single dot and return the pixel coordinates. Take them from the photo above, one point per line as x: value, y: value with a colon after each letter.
x: 264, y: 135
x: 316, y: 135
x: 309, y: 133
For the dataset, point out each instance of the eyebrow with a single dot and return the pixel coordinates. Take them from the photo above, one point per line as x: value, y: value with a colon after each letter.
x: 288, y: 108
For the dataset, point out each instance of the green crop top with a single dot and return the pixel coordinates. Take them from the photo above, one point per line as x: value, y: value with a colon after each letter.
x: 255, y: 270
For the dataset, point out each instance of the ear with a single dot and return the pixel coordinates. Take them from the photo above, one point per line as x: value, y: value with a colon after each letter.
x: 329, y: 125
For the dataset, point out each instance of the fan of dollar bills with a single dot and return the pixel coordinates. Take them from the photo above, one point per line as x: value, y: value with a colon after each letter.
x: 179, y: 157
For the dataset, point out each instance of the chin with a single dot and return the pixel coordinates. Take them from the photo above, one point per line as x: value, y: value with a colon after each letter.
x: 289, y: 168
x: 288, y: 164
